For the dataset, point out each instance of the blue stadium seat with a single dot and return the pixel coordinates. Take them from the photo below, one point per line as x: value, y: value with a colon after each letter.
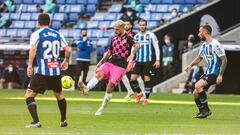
x: 97, y: 33
x: 26, y: 16
x: 167, y: 15
x: 77, y: 9
x: 24, y: 33
x: 82, y: 2
x: 64, y: 32
x: 56, y: 25
x: 167, y: 1
x: 64, y: 8
x: 30, y: 24
x: 145, y: 1
x: 179, y: 1
x: 95, y: 2
x: 104, y: 24
x: 156, y: 16
x: 73, y: 17
x: 186, y: 8
x: 145, y: 16
x: 190, y: 1
x: 99, y: 16
x: 74, y: 33
x: 31, y: 8
x: 5, y: 15
x: 23, y: 8
x: 92, y: 24
x: 34, y: 16
x: 103, y: 42
x: 162, y: 8
x: 3, y: 32
x: 91, y: 9
x: 28, y: 1
x: 39, y: 1
x: 152, y: 24
x: 115, y: 8
x: 18, y: 24
x: 89, y: 33
x: 17, y: 1
x: 60, y: 2
x: 111, y: 16
x: 108, y: 33
x: 119, y: 15
x: 151, y: 8
x: 170, y: 7
x: 15, y: 16
x: 11, y: 32
x: 59, y: 16
x: 202, y: 1
x: 71, y: 1
x: 156, y: 1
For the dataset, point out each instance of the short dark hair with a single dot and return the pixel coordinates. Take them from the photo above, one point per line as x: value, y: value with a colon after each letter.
x: 83, y: 29
x: 208, y: 28
x: 44, y: 19
x: 142, y: 20
x: 128, y: 20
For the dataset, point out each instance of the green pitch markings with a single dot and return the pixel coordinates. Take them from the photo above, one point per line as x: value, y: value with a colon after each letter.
x: 124, y: 101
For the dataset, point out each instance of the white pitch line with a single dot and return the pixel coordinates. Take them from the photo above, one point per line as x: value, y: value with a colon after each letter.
x: 124, y: 101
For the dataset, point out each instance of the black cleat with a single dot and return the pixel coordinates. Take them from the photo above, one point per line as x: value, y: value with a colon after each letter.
x: 63, y: 123
x: 34, y: 125
x: 203, y: 114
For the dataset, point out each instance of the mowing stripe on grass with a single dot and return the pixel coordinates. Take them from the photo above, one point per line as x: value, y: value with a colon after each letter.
x: 124, y: 101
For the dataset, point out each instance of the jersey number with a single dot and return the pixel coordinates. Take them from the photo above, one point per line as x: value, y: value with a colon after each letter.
x: 52, y: 49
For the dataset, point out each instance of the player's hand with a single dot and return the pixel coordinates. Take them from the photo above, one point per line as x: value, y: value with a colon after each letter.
x: 219, y: 79
x: 130, y: 58
x: 187, y: 68
x: 29, y: 71
x: 157, y: 64
x: 64, y: 65
x: 129, y: 66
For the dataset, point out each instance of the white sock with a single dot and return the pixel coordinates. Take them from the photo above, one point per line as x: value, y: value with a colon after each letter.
x: 92, y: 83
x: 106, y: 99
x: 141, y: 85
x: 126, y: 82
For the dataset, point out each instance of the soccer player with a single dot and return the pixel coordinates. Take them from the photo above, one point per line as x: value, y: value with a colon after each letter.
x: 128, y: 28
x: 212, y: 51
x: 114, y: 64
x: 45, y: 45
x: 144, y: 61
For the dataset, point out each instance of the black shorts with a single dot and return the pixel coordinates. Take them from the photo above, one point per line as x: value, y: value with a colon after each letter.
x: 143, y: 68
x: 41, y: 83
x: 209, y: 79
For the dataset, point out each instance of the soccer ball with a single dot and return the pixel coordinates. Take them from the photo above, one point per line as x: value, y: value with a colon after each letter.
x: 67, y: 82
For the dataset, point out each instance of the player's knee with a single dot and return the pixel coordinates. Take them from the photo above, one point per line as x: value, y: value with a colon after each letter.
x: 59, y: 96
x: 146, y: 78
x: 99, y: 76
x: 28, y: 94
x: 198, y: 86
x: 195, y: 94
x: 133, y: 78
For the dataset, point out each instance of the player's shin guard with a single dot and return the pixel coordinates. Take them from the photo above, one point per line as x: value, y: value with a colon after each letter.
x: 106, y: 99
x: 199, y: 104
x: 203, y: 99
x: 92, y: 83
x: 148, y: 89
x: 32, y: 107
x: 135, y: 86
x: 62, y: 105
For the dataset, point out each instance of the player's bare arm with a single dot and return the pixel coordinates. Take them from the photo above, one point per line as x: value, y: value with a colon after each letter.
x: 67, y: 56
x: 222, y: 69
x: 105, y: 57
x: 197, y: 60
x: 32, y: 54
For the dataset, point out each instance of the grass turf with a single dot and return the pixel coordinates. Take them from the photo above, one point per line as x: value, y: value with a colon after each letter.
x: 121, y: 117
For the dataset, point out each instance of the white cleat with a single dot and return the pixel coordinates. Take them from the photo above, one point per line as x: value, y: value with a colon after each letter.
x: 129, y: 96
x: 99, y: 112
x: 34, y: 125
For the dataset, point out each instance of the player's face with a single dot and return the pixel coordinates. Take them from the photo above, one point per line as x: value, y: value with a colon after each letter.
x: 84, y: 33
x: 202, y: 33
x: 118, y: 30
x: 128, y: 26
x: 142, y: 26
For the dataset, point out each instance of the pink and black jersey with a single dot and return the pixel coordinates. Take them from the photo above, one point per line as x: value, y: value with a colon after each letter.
x: 120, y: 49
x: 131, y: 34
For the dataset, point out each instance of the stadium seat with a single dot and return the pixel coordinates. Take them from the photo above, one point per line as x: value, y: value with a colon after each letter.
x: 92, y: 24
x: 18, y: 24
x: 3, y: 32
x: 97, y: 33
x: 104, y: 24
x: 26, y: 16
x: 156, y: 1
x: 39, y: 1
x: 167, y: 1
x: 28, y: 1
x: 151, y: 8
x: 190, y: 1
x: 145, y: 1
x: 73, y: 17
x: 179, y: 1
x: 91, y: 9
x: 82, y: 2
x: 99, y: 16
x: 64, y: 32
x: 115, y: 8
x: 186, y: 8
x: 108, y: 33
x: 111, y: 16
x: 71, y: 1
x: 64, y: 8
x: 34, y: 16
x: 59, y: 16
x: 95, y: 2
x: 60, y: 2
x: 30, y: 24
x: 156, y: 16
x: 74, y: 33
x: 202, y: 1
x: 119, y: 15
x: 5, y: 15
x: 103, y: 42
x: 18, y: 2
x: 15, y: 16
x: 170, y: 7
x: 31, y: 8
x: 77, y: 9
x: 56, y: 25
x: 145, y: 16
x: 24, y: 33
x: 89, y: 33
x: 152, y: 24
x: 167, y: 15
x: 11, y: 33
x: 23, y: 8
x: 162, y: 8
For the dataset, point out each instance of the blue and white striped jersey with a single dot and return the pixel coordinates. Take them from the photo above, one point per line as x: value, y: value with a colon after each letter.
x: 146, y: 42
x: 212, y: 52
x: 48, y: 42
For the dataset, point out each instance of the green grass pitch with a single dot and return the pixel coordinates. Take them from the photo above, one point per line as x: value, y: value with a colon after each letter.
x: 168, y: 114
